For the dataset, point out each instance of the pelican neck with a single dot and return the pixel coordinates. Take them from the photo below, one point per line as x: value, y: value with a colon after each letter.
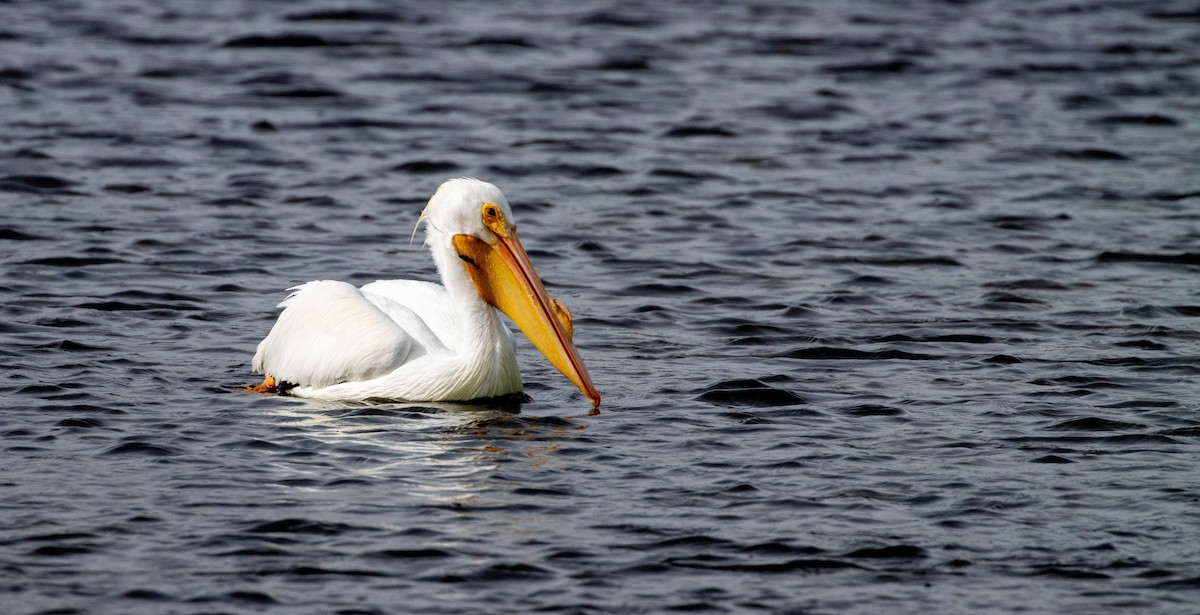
x: 478, y: 322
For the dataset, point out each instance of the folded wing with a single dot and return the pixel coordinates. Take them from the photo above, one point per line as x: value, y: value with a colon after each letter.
x: 329, y: 332
x: 422, y: 308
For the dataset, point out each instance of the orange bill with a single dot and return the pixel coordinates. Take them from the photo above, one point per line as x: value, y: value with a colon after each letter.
x: 505, y: 279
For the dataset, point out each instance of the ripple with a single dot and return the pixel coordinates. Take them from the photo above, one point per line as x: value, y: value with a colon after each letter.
x: 72, y: 261
x: 1052, y: 459
x: 8, y: 234
x: 686, y: 130
x: 1069, y: 573
x: 795, y: 565
x: 1095, y: 424
x: 348, y: 14
x: 299, y: 526
x: 871, y: 410
x: 41, y: 184
x: 1189, y: 258
x: 428, y: 167
x: 894, y: 551
x: 867, y: 319
x: 829, y: 353
x: 409, y: 554
x: 142, y: 448
x: 748, y: 392
x: 283, y: 40
x: 1149, y: 119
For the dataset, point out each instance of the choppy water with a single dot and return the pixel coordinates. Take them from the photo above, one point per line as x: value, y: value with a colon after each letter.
x: 893, y: 306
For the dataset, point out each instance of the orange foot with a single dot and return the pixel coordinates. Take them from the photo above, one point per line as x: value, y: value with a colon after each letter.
x: 268, y: 386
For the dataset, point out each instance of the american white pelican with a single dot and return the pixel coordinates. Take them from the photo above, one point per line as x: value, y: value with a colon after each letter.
x: 420, y: 341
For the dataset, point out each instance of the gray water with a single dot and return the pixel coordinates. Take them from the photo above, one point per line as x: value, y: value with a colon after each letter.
x: 893, y: 306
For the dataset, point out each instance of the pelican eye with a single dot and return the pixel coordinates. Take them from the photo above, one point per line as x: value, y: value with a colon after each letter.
x: 493, y: 220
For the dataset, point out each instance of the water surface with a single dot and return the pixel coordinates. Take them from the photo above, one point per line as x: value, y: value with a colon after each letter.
x: 893, y: 306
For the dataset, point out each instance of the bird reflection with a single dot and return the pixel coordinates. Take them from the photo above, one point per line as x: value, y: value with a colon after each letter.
x: 449, y: 454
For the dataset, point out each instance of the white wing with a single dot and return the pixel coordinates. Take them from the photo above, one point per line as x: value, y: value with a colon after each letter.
x: 331, y: 332
x: 428, y: 301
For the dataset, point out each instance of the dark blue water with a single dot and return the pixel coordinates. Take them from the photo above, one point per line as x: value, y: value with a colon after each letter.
x: 895, y: 307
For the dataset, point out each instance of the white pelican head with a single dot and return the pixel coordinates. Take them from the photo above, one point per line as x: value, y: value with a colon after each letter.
x: 476, y: 217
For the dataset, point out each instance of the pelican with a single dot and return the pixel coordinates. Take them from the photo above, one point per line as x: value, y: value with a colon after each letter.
x: 419, y: 341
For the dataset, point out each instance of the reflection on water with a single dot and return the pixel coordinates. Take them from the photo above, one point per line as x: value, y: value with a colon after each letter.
x: 448, y: 453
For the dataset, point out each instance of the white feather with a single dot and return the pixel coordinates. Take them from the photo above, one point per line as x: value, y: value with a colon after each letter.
x: 401, y: 299
x: 400, y: 339
x: 329, y: 332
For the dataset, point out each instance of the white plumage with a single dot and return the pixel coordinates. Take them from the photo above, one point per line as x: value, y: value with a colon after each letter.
x: 420, y: 341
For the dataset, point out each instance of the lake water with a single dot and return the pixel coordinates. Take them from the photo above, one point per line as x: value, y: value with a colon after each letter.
x: 894, y: 306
